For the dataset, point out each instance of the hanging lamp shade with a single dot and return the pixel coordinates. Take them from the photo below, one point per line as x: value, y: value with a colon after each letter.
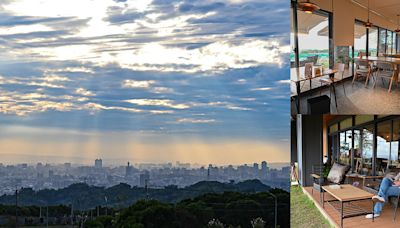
x: 308, y: 7
x: 368, y: 24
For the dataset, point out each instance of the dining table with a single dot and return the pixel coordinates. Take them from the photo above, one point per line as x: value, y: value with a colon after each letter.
x: 388, y: 59
x: 297, y: 76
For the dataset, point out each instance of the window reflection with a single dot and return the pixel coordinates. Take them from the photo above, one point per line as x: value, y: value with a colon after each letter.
x: 382, y: 41
x: 373, y: 41
x: 389, y: 42
x: 345, y: 147
x: 367, y: 142
x: 360, y: 39
x: 383, y: 146
x: 313, y: 37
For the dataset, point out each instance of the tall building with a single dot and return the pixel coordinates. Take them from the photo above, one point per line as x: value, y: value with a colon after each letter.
x: 264, y: 166
x: 144, y: 179
x: 128, y: 170
x: 98, y: 163
x: 255, y: 169
x: 264, y: 169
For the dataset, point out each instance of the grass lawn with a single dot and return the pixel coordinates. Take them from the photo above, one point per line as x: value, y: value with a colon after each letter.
x: 303, y: 212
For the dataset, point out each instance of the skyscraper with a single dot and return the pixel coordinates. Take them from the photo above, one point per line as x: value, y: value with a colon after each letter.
x: 264, y: 168
x: 255, y: 169
x: 98, y: 163
x: 128, y: 170
x: 144, y: 179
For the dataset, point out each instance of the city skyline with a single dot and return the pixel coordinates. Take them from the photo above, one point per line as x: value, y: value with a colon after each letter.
x: 146, y: 81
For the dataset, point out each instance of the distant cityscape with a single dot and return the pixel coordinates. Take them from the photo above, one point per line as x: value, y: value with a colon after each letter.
x: 56, y: 176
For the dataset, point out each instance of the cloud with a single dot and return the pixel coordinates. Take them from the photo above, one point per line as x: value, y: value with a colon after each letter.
x: 144, y: 66
x: 262, y: 89
x: 137, y: 84
x: 162, y: 90
x: 158, y: 102
x: 195, y: 121
x: 55, y: 78
x: 286, y: 81
x: 84, y: 92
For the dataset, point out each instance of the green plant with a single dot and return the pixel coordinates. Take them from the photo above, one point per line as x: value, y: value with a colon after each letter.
x: 327, y: 168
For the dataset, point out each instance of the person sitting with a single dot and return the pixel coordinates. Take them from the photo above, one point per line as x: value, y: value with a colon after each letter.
x: 388, y: 187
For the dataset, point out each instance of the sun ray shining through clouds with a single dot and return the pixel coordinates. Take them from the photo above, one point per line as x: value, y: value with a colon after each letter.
x: 150, y: 80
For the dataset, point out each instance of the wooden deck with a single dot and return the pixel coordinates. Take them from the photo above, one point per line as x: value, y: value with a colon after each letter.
x: 385, y: 220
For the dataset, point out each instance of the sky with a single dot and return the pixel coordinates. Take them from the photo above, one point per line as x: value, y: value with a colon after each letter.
x: 196, y: 81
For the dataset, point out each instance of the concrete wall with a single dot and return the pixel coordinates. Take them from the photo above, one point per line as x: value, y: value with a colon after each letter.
x: 309, y: 145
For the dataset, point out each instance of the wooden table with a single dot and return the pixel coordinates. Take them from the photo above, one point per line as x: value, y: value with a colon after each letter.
x: 346, y: 195
x: 387, y: 59
x: 363, y: 177
x: 393, y: 60
x: 297, y: 76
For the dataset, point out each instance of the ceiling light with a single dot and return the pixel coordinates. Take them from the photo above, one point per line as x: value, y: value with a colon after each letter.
x: 308, y: 7
x: 368, y: 24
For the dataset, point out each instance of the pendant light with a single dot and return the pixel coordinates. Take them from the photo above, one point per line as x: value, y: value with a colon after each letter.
x: 368, y: 24
x: 398, y: 29
x: 308, y: 7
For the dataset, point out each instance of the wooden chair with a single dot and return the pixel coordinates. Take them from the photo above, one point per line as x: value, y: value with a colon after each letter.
x: 328, y: 80
x: 308, y: 68
x: 319, y: 179
x: 387, y: 71
x: 363, y: 69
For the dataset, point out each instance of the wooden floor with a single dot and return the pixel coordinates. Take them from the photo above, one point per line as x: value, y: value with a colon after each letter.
x: 385, y: 220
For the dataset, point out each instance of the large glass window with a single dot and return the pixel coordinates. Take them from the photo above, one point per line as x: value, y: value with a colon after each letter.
x: 382, y: 42
x: 389, y: 42
x: 360, y: 119
x: 373, y: 41
x: 292, y: 47
x: 398, y: 44
x: 383, y: 146
x: 357, y: 151
x: 313, y: 37
x: 345, y: 147
x: 367, y: 142
x: 395, y: 149
x: 360, y: 38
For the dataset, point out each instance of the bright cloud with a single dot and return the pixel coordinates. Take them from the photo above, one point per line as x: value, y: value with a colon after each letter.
x: 137, y: 84
x: 158, y: 102
x: 84, y: 92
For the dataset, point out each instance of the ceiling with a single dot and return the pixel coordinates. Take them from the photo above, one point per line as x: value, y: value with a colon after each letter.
x: 388, y: 9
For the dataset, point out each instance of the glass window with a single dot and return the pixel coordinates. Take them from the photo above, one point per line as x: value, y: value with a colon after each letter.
x: 395, y: 149
x: 389, y: 42
x: 360, y: 38
x: 360, y: 119
x: 313, y: 36
x: 367, y: 142
x: 357, y: 151
x: 333, y: 128
x: 383, y: 146
x: 346, y: 123
x: 373, y: 41
x: 382, y: 41
x: 292, y: 47
x: 345, y: 147
x: 343, y: 55
x: 394, y: 43
x: 398, y: 44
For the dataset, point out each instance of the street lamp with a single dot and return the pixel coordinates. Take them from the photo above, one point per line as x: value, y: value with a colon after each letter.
x: 276, y: 207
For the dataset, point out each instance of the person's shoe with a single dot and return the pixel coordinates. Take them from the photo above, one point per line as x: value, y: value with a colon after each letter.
x: 369, y: 216
x: 378, y: 199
